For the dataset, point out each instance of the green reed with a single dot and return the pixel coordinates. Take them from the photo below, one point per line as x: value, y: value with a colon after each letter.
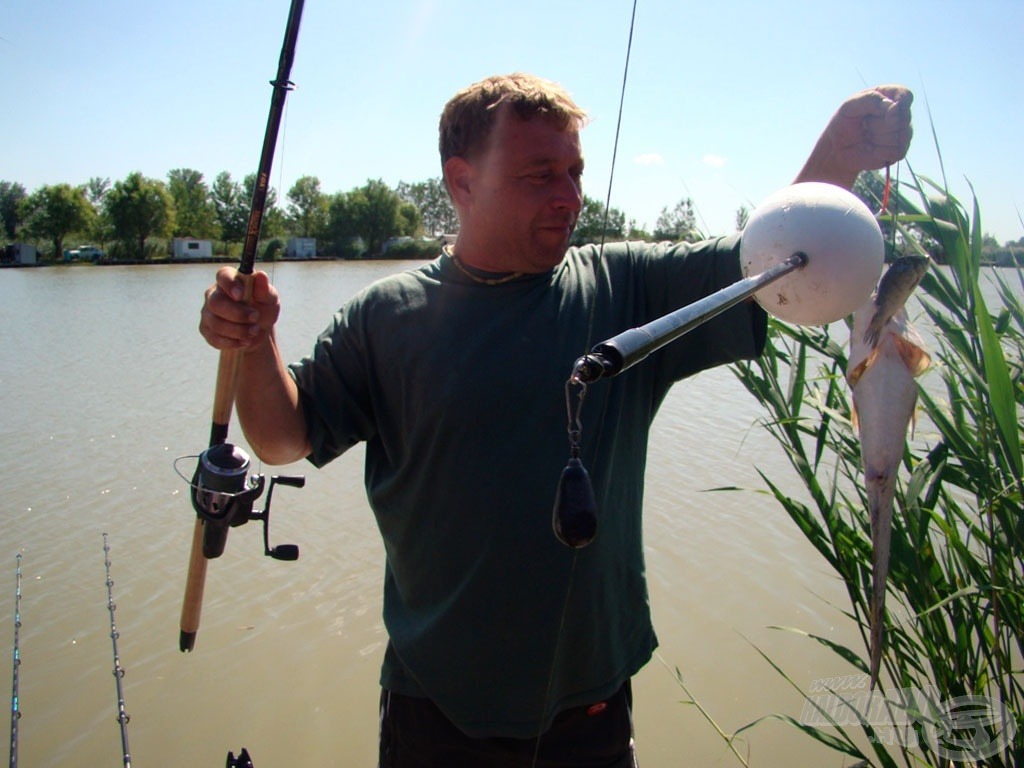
x: 955, y: 615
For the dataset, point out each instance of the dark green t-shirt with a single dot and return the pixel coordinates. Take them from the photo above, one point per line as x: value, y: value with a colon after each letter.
x: 458, y: 390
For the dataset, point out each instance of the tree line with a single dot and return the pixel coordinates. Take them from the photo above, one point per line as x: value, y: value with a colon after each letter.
x: 133, y: 218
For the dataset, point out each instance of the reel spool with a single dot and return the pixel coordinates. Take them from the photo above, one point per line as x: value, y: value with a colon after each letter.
x: 223, y: 496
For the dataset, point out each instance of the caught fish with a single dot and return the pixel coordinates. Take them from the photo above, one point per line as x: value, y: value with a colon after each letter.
x: 886, y: 354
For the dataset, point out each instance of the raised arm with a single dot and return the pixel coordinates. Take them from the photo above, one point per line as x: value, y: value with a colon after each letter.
x: 870, y: 130
x: 267, y: 400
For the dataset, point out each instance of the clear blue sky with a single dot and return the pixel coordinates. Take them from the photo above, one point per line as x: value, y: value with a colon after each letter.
x: 724, y: 98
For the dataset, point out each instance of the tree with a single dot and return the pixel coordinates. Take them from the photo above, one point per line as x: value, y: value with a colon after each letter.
x: 373, y: 213
x: 193, y: 212
x: 53, y: 212
x: 95, y: 191
x: 140, y: 208
x: 11, y: 195
x: 434, y: 204
x: 341, y: 230
x: 591, y: 223
x: 231, y: 208
x: 679, y: 224
x: 635, y: 232
x: 307, y: 207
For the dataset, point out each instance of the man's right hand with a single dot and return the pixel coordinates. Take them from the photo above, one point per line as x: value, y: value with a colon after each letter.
x: 228, y: 321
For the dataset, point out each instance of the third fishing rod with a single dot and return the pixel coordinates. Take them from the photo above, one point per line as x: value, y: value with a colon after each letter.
x: 15, y: 704
x: 122, y: 716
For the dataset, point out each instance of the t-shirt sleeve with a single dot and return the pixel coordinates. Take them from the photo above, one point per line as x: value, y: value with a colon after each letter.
x: 679, y: 274
x: 334, y: 388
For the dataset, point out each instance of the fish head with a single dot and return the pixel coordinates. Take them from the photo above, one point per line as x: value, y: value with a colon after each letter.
x: 899, y: 281
x: 895, y: 287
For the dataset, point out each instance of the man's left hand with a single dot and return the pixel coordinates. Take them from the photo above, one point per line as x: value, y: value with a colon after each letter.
x: 870, y: 130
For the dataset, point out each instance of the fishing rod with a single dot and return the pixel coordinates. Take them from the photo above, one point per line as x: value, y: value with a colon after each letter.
x: 122, y: 716
x: 221, y: 496
x: 621, y: 352
x: 15, y: 704
x: 574, y: 516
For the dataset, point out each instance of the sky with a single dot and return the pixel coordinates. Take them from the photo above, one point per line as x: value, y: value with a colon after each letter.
x: 723, y: 99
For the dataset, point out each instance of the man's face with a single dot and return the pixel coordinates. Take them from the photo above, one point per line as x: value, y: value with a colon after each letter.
x: 526, y: 193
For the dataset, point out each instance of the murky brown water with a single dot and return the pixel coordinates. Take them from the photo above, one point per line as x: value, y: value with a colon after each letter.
x: 106, y: 381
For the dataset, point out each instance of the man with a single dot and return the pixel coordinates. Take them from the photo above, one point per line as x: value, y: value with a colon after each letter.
x: 506, y: 647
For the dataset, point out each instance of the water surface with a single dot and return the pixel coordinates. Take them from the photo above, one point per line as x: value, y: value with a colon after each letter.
x: 106, y: 382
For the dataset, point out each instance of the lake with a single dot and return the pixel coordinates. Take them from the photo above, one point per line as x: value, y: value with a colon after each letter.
x: 107, y: 382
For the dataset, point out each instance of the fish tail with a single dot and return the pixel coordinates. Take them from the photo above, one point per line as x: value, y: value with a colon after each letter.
x: 875, y: 634
x: 880, y: 497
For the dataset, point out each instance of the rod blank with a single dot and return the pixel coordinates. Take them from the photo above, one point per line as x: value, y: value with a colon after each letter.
x: 15, y: 703
x: 612, y: 357
x: 122, y: 716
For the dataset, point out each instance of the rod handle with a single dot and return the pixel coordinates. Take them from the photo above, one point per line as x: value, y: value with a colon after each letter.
x: 192, y: 606
x: 223, y: 403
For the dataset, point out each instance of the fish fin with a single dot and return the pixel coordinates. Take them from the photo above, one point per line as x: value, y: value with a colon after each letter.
x: 913, y: 356
x: 874, y: 330
x: 854, y: 376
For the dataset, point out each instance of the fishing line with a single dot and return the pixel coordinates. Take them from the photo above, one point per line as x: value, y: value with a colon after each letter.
x: 884, y: 211
x: 895, y: 209
x: 122, y: 715
x: 574, y: 517
x: 885, y: 192
x: 15, y: 702
x: 611, y: 171
x: 281, y: 145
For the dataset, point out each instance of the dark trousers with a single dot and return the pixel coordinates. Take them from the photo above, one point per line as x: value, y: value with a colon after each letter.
x: 415, y: 734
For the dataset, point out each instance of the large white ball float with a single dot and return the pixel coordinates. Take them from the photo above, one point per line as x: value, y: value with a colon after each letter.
x: 840, y: 238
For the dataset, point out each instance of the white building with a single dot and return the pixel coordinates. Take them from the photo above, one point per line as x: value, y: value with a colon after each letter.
x: 19, y: 253
x: 191, y: 248
x: 300, y: 248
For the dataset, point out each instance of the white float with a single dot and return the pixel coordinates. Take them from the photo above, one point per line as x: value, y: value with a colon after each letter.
x: 842, y: 242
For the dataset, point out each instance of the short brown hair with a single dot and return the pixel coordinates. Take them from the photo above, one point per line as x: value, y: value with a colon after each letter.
x: 469, y: 116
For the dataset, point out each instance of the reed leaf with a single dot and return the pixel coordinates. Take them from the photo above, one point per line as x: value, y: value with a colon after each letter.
x: 957, y: 564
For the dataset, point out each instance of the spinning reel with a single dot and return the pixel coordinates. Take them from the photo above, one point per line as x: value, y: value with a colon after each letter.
x: 223, y: 496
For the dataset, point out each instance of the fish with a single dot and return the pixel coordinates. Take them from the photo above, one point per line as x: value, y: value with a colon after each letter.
x: 887, y: 354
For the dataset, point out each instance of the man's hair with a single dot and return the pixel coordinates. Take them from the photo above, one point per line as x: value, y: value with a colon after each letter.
x: 469, y: 116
